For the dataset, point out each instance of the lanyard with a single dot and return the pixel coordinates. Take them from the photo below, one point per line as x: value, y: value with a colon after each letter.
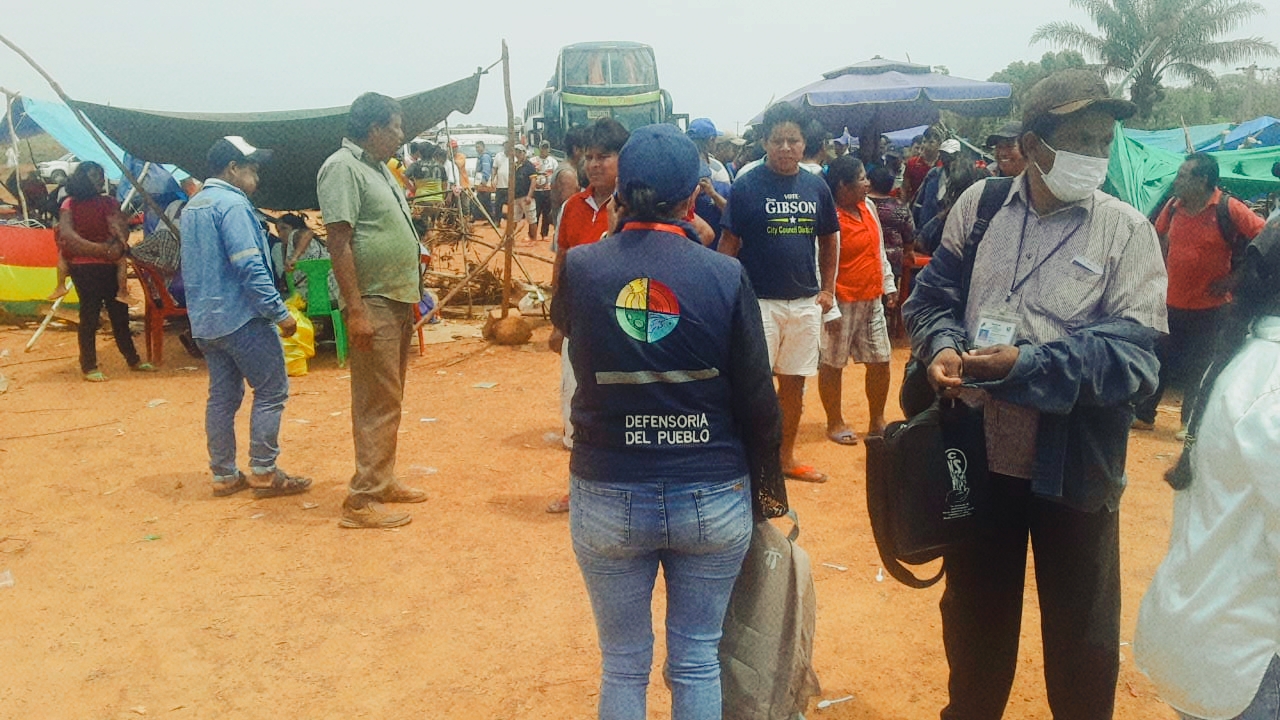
x: 1015, y: 284
x: 658, y: 227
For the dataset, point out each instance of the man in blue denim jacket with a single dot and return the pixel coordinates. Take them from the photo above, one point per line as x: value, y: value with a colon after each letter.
x: 234, y: 308
x: 1057, y: 340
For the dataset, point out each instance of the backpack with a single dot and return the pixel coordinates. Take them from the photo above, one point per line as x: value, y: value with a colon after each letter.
x: 1231, y: 234
x: 917, y: 394
x: 766, y: 652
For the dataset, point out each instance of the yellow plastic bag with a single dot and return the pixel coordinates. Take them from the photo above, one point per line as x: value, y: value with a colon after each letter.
x: 302, y: 344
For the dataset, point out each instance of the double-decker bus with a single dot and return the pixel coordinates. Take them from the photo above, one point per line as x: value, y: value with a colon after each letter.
x: 595, y: 80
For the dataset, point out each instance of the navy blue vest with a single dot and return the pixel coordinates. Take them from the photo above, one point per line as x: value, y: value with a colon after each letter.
x: 651, y: 316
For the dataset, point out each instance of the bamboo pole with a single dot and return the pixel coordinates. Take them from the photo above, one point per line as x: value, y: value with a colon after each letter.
x: 510, y: 239
x: 93, y: 132
x: 10, y: 97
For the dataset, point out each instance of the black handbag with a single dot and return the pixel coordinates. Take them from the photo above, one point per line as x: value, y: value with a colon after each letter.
x: 927, y: 486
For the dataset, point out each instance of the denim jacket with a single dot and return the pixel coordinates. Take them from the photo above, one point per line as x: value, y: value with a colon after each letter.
x: 1084, y: 384
x: 225, y: 264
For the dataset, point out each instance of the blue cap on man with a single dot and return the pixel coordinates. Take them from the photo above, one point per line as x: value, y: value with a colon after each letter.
x: 702, y: 129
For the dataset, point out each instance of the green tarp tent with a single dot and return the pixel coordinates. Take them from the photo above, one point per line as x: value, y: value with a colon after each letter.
x: 301, y: 139
x: 1143, y: 176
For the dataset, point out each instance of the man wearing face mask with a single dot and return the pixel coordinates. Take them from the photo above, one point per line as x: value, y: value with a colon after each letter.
x: 1056, y: 338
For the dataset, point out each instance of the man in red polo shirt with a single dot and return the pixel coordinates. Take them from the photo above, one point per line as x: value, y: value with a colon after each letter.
x: 585, y: 218
x: 1199, y: 261
x: 918, y: 166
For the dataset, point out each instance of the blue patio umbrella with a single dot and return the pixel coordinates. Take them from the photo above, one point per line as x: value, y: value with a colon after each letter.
x: 886, y: 95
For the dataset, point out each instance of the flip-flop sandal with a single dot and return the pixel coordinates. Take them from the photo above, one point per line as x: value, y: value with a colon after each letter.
x: 559, y: 505
x: 805, y: 473
x: 95, y: 376
x: 223, y: 488
x: 843, y: 437
x: 282, y: 484
x: 144, y: 367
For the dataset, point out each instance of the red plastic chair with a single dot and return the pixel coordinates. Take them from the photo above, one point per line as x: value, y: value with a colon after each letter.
x: 160, y: 306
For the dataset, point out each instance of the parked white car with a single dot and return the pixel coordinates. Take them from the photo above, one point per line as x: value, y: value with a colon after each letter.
x: 57, y: 171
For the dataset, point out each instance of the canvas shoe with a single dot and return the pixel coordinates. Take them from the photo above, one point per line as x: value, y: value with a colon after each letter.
x: 371, y: 515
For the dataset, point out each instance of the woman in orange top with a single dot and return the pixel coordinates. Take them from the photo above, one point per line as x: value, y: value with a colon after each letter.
x: 863, y: 277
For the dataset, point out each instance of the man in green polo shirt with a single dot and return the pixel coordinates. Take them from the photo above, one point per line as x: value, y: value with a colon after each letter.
x: 375, y: 259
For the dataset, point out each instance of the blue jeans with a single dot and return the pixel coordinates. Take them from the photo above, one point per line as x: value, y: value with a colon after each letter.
x: 699, y: 533
x: 253, y: 353
x: 1266, y: 704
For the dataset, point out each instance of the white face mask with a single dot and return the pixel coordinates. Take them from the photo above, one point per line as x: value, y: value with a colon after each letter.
x: 1073, y: 177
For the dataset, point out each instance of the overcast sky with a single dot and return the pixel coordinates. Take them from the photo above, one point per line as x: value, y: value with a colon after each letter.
x: 721, y: 60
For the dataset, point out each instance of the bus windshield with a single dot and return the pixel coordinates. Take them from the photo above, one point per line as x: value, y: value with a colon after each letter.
x: 625, y: 67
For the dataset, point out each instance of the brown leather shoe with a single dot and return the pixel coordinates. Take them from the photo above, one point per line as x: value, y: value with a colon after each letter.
x: 371, y: 515
x: 398, y: 493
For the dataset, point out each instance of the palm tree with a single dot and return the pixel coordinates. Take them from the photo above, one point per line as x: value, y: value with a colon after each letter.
x: 1155, y: 39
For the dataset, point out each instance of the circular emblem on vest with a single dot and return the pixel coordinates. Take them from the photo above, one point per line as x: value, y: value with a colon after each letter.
x: 647, y: 310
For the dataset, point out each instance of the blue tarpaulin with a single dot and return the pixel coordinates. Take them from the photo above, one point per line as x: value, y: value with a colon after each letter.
x: 1265, y: 131
x: 1175, y: 139
x: 33, y: 117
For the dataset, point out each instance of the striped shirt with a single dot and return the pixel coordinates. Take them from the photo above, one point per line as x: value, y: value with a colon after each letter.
x: 1097, y: 259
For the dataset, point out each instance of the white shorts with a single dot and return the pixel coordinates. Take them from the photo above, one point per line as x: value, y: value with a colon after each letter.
x: 792, y: 328
x: 859, y: 334
x: 520, y: 210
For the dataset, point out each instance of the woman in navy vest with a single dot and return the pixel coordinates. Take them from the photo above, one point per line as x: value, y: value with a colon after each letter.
x: 676, y: 429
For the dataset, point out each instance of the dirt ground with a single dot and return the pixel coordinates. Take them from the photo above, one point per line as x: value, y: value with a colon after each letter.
x: 138, y: 594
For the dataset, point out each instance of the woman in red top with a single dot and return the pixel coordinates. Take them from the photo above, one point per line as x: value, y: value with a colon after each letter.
x: 92, y: 236
x: 862, y: 279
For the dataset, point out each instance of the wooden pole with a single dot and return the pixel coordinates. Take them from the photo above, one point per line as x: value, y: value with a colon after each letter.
x: 10, y: 97
x: 510, y: 239
x: 466, y: 282
x: 93, y: 132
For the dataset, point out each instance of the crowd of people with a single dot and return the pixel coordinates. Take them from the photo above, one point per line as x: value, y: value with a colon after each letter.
x: 700, y: 278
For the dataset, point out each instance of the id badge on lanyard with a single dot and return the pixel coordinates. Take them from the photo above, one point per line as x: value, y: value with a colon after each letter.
x: 995, y: 328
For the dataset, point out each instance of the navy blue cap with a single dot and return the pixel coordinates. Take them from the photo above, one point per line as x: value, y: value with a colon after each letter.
x: 662, y: 158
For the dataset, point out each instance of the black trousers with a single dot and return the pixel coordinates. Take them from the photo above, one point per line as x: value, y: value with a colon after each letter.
x: 1185, y: 353
x: 486, y: 201
x: 1077, y: 565
x: 500, y: 204
x: 96, y: 285
x: 542, y: 199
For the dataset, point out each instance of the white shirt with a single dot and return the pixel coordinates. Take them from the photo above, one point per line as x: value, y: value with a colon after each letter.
x: 719, y: 173
x: 1210, y: 622
x: 501, y: 171
x: 814, y: 168
x: 546, y: 167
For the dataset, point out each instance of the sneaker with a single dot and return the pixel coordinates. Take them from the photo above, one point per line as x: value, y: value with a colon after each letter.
x: 372, y: 515
x: 398, y: 493
x: 1181, y: 434
x: 1142, y: 425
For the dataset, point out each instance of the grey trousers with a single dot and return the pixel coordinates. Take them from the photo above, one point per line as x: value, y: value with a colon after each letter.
x: 377, y: 392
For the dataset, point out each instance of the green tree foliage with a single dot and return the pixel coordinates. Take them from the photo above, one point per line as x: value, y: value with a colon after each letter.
x: 1233, y: 99
x: 1159, y: 39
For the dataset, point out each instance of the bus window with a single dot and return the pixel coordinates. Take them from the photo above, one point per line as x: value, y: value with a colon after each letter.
x: 632, y: 67
x: 585, y: 67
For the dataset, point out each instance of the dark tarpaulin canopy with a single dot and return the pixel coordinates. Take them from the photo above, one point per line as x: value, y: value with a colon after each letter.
x: 885, y: 95
x: 301, y: 139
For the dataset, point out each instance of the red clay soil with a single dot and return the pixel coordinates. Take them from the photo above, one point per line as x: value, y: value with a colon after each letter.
x: 138, y: 594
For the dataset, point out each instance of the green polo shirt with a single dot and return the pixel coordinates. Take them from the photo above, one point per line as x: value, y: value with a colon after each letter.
x: 360, y: 191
